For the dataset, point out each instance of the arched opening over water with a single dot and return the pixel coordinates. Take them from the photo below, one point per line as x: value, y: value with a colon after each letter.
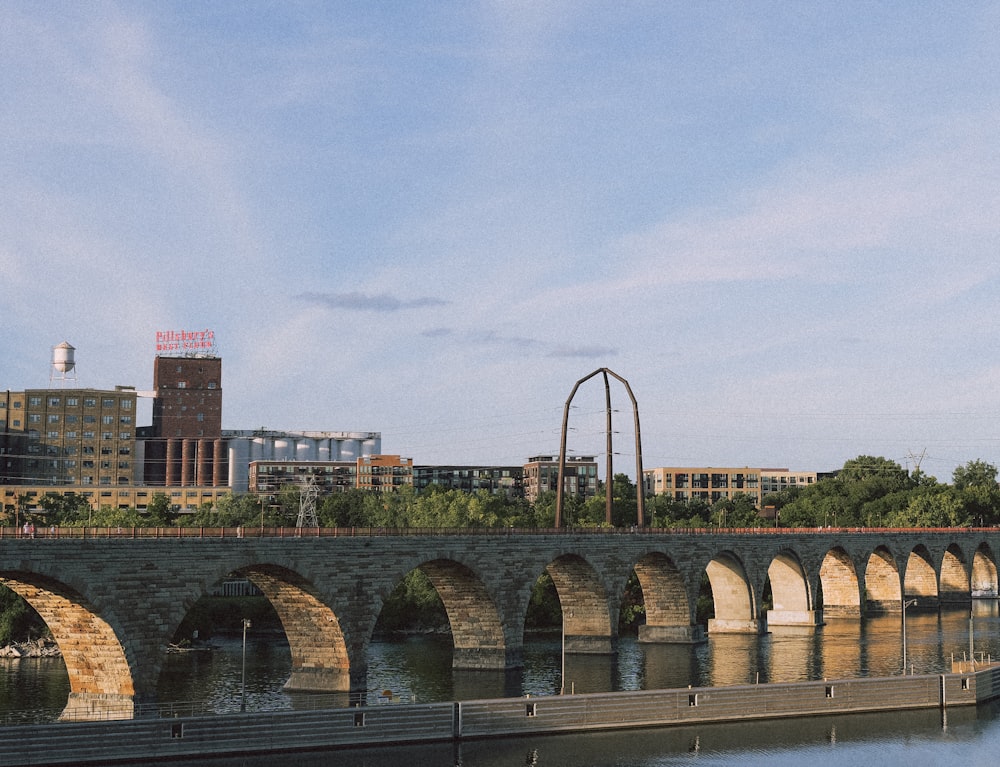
x: 920, y: 578
x: 320, y: 660
x: 101, y: 682
x: 664, y: 595
x: 984, y: 573
x: 732, y: 595
x: 475, y: 624
x: 954, y: 581
x: 883, y: 590
x: 791, y: 604
x: 586, y: 619
x: 839, y: 584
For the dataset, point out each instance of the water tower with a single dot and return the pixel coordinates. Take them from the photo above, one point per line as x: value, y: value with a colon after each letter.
x: 63, y: 364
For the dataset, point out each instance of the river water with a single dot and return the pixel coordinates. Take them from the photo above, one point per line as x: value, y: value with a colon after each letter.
x: 419, y: 669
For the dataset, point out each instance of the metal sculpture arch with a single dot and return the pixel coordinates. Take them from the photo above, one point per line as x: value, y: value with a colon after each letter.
x: 639, y: 494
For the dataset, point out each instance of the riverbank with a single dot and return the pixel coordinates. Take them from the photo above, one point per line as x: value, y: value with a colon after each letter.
x: 33, y: 648
x: 79, y: 743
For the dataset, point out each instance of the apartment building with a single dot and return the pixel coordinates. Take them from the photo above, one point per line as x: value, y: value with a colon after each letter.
x: 541, y: 474
x: 711, y: 484
x: 380, y: 473
x: 497, y: 480
x: 269, y: 478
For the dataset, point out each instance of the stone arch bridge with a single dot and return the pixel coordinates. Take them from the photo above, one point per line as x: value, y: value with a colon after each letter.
x: 114, y: 601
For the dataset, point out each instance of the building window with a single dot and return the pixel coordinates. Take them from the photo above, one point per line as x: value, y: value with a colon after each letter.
x: 126, y: 404
x: 34, y: 418
x: 125, y: 435
x: 107, y: 402
x: 72, y: 402
x: 53, y: 402
x: 107, y: 420
x: 89, y: 402
x: 34, y: 401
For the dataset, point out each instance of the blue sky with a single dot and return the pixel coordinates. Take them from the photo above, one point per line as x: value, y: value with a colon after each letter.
x: 778, y: 221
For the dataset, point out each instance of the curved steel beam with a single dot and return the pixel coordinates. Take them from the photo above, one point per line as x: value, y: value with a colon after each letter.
x: 639, y: 490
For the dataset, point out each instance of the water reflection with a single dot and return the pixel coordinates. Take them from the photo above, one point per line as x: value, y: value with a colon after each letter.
x: 419, y: 668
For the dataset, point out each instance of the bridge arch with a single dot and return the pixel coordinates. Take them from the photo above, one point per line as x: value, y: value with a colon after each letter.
x: 840, y: 585
x: 883, y: 590
x: 476, y: 629
x: 954, y: 585
x: 100, y: 674
x: 984, y: 573
x: 320, y: 658
x: 920, y: 577
x: 587, y: 624
x: 793, y: 605
x: 665, y: 596
x: 735, y: 605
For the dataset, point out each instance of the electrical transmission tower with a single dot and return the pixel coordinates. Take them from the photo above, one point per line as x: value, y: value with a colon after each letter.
x: 308, y: 493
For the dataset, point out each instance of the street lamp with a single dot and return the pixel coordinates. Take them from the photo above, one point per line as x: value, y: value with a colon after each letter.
x: 243, y: 677
x: 906, y: 603
x: 562, y: 676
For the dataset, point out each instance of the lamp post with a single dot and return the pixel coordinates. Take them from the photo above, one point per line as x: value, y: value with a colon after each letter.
x: 562, y: 675
x: 906, y: 603
x: 243, y: 676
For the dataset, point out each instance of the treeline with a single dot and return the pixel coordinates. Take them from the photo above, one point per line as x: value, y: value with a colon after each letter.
x: 867, y: 492
x: 877, y: 492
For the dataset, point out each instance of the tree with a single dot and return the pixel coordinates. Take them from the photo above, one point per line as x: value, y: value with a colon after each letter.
x: 738, y: 511
x: 109, y: 516
x: 940, y: 506
x: 866, y: 490
x: 976, y: 481
x: 160, y: 512
x: 65, y: 509
x: 229, y: 511
x: 345, y: 509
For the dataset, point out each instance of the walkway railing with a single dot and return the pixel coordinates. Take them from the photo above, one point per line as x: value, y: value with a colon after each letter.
x: 174, y: 710
x: 369, y: 532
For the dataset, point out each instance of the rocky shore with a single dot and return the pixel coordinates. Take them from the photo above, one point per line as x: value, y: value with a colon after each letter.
x: 33, y: 648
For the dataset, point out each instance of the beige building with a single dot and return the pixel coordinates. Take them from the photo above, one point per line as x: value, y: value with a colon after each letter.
x: 17, y: 499
x: 712, y: 484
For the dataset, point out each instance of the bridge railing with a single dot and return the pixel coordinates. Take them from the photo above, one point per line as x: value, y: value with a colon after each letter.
x: 44, y: 533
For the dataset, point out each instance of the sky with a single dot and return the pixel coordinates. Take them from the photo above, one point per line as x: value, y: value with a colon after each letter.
x: 779, y: 222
